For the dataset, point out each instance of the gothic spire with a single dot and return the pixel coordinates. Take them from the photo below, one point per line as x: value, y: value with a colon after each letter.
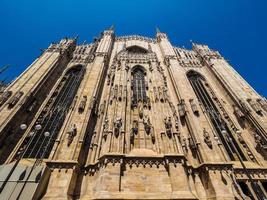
x: 157, y: 30
x: 76, y: 37
x: 112, y: 28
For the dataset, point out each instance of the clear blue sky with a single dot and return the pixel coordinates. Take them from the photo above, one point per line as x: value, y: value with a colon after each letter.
x: 237, y: 28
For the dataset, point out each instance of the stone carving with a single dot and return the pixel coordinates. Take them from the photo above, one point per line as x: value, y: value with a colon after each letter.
x: 116, y: 88
x: 135, y: 37
x: 4, y: 97
x: 166, y: 61
x: 188, y: 58
x: 263, y: 103
x: 135, y: 127
x: 255, y: 106
x: 155, y: 94
x: 120, y: 93
x: 102, y: 107
x: 83, y: 54
x: 194, y: 106
x: 147, y: 103
x: 132, y: 137
x: 243, y: 143
x: 82, y: 104
x: 176, y: 125
x: 258, y: 139
x: 146, y: 84
x: 207, y: 139
x: 93, y: 140
x: 238, y: 113
x: 172, y: 108
x: 160, y: 93
x: 111, y: 74
x: 117, y: 126
x: 105, y: 127
x: 119, y: 65
x: 165, y: 94
x: 133, y: 103
x: 147, y: 124
x: 183, y: 142
x: 15, y: 99
x: 71, y: 134
x: 192, y: 144
x: 150, y: 67
x: 168, y: 126
x: 96, y: 108
x: 181, y: 108
x: 240, y: 138
x: 125, y: 93
x: 134, y: 131
x: 230, y: 122
x: 92, y: 103
x: 111, y: 95
x: 244, y: 106
x: 141, y: 110
x: 127, y: 68
x: 260, y: 145
x: 153, y: 138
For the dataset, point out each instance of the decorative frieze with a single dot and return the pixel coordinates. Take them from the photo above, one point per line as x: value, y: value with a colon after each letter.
x: 135, y: 37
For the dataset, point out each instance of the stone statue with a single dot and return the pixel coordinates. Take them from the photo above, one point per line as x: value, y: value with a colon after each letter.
x: 181, y: 108
x: 117, y: 126
x: 141, y: 110
x: 168, y: 126
x: 207, y: 140
x: 105, y: 128
x: 71, y: 134
x: 147, y: 124
x: 258, y: 139
x: 183, y: 142
x: 238, y: 113
x: 153, y: 138
x: 194, y: 106
x: 82, y: 104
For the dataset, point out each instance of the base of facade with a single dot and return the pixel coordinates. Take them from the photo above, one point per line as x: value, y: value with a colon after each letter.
x: 140, y: 195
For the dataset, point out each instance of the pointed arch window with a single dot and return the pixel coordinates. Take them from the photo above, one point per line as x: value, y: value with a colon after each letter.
x: 138, y: 84
x: 198, y: 84
x: 52, y: 116
x: 136, y: 49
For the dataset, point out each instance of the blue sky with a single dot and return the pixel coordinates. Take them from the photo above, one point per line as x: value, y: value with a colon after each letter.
x: 237, y: 28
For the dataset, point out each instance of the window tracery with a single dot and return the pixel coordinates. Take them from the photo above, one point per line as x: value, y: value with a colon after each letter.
x: 223, y: 131
x: 139, y: 86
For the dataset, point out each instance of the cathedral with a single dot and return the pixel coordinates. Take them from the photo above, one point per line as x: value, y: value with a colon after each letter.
x: 132, y: 117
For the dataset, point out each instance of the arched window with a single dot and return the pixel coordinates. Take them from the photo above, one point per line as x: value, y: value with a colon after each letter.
x: 199, y: 86
x: 138, y: 85
x: 136, y: 49
x: 52, y: 117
